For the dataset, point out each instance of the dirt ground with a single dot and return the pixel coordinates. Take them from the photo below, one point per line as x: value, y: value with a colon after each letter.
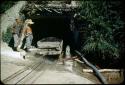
x: 47, y: 72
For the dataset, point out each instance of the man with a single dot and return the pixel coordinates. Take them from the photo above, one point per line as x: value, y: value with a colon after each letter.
x: 16, y: 31
x: 27, y: 33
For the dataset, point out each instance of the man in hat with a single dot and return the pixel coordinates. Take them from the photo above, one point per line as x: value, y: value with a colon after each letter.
x: 27, y: 33
x: 16, y: 31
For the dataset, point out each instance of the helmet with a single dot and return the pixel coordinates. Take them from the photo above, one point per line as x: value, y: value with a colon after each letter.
x: 29, y: 21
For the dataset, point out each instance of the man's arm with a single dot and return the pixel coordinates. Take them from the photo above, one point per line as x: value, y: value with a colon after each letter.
x: 22, y: 37
x: 13, y: 28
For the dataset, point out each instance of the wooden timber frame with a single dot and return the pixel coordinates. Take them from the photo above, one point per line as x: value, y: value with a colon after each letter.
x: 38, y: 10
x: 57, y: 7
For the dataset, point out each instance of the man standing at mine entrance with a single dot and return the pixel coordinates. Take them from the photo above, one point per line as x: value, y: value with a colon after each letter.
x: 16, y: 31
x: 27, y: 34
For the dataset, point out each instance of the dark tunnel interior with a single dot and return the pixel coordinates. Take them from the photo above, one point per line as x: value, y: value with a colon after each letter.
x: 53, y: 26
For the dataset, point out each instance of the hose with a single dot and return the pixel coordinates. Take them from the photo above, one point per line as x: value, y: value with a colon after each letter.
x: 100, y: 76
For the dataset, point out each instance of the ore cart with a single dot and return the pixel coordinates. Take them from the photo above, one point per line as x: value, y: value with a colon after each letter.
x: 50, y: 46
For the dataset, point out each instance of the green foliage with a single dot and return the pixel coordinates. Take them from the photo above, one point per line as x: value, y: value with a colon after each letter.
x: 103, y: 21
x: 98, y: 43
x: 6, y: 5
x: 6, y: 36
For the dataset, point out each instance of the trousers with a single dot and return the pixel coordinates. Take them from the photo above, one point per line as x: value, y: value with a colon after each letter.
x: 29, y: 39
x: 16, y: 40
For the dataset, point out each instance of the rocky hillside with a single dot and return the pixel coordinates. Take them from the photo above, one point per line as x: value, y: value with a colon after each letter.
x: 8, y: 18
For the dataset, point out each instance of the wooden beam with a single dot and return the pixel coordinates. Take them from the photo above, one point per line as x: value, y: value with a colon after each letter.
x: 79, y: 61
x: 102, y: 70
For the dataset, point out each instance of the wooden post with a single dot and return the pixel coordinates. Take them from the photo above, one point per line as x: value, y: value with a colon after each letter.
x: 61, y: 58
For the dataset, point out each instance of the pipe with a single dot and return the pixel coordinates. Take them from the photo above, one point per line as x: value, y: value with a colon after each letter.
x: 101, y: 77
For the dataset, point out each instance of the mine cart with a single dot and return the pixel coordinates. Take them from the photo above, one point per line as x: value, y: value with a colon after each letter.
x: 50, y: 46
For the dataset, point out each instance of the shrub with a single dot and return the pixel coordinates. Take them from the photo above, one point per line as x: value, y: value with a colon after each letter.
x: 5, y: 5
x: 103, y: 22
x: 6, y: 36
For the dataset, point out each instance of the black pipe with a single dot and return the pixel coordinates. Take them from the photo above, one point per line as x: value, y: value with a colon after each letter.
x: 103, y: 80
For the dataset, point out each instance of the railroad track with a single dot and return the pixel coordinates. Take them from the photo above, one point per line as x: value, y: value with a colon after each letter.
x: 45, y: 67
x: 30, y: 75
x: 17, y: 76
x: 26, y: 75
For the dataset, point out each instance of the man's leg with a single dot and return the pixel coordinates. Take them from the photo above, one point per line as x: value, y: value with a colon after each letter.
x: 16, y: 38
x: 29, y: 41
x: 21, y: 41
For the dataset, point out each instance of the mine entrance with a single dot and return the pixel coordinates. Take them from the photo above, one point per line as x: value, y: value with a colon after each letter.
x: 53, y: 26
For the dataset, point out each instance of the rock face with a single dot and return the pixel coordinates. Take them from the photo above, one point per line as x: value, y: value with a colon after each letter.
x: 8, y: 18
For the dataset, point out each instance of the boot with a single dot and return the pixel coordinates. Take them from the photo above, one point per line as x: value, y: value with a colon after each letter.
x: 15, y: 48
x: 27, y: 50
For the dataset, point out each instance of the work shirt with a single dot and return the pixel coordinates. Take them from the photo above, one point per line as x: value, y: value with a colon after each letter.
x: 17, y: 28
x: 27, y: 30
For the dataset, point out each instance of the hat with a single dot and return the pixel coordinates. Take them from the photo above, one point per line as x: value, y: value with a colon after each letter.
x: 29, y: 21
x: 17, y: 18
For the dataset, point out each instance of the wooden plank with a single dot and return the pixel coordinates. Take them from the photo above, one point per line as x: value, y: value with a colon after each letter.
x: 102, y: 70
x: 79, y: 61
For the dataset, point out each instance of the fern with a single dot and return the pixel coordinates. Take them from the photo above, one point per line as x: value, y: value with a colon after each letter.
x: 6, y: 36
x: 99, y: 33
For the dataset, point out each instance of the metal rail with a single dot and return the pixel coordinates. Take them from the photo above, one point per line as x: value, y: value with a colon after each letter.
x: 28, y: 73
x: 98, y: 74
x: 25, y: 75
x: 21, y: 71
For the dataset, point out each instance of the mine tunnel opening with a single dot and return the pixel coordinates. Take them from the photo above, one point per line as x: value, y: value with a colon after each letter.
x: 53, y: 26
